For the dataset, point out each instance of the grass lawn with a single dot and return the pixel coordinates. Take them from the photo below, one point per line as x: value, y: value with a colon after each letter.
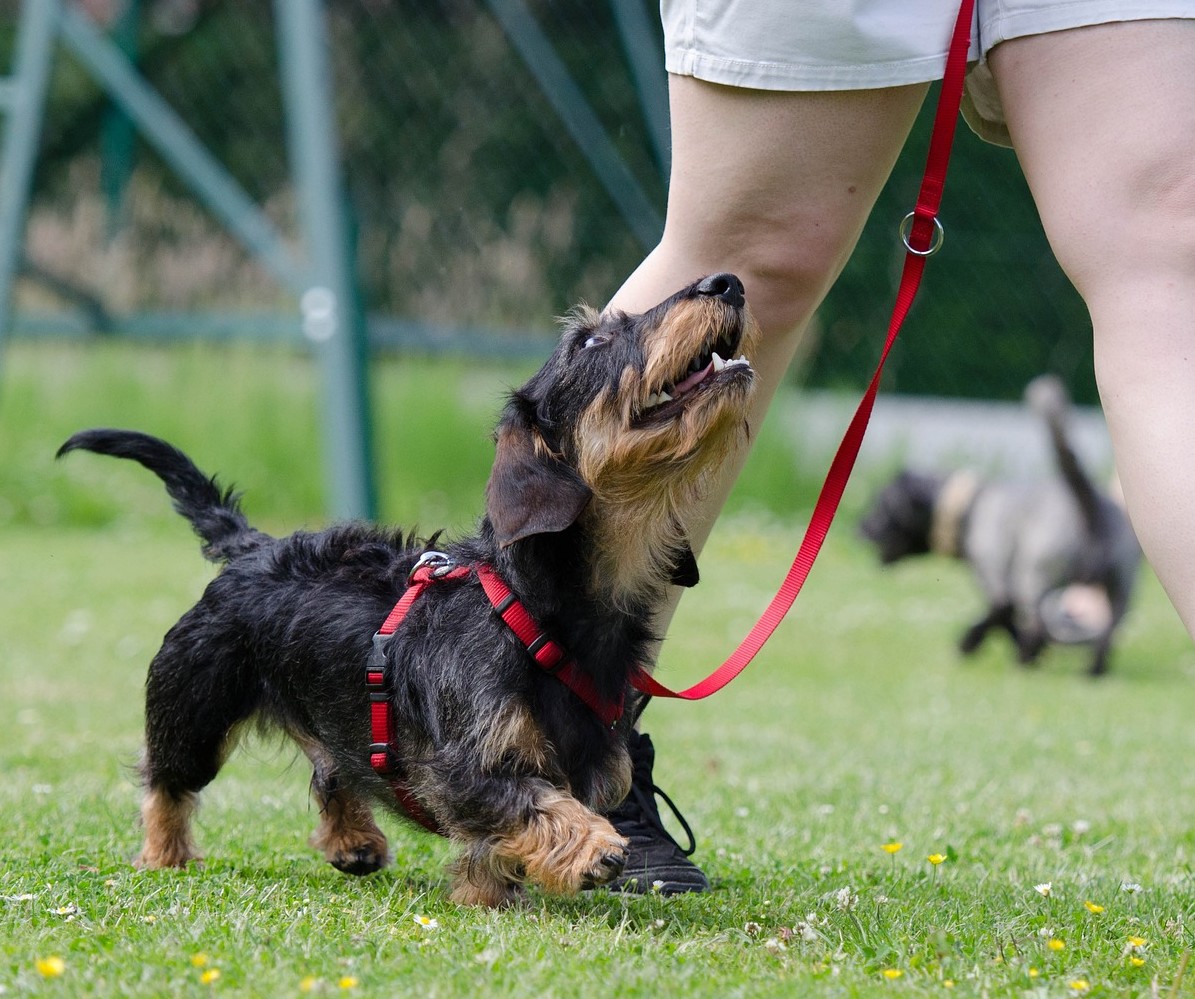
x: 858, y: 727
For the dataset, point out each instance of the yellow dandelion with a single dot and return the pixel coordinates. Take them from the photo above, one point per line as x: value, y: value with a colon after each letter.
x: 307, y: 983
x: 1092, y: 907
x: 936, y: 858
x: 349, y: 982
x: 948, y: 983
x: 209, y: 976
x: 200, y: 960
x: 1080, y: 985
x: 891, y: 847
x: 50, y: 967
x: 1033, y: 972
x: 1136, y: 962
x: 1055, y: 944
x: 1136, y: 942
x: 892, y: 974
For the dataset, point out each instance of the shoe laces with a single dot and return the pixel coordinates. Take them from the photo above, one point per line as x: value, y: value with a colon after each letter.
x: 639, y: 813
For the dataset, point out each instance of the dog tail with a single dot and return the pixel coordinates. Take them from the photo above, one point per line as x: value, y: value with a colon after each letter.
x: 1047, y: 397
x: 214, y: 514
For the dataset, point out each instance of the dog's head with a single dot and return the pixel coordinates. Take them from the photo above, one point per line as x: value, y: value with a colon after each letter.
x: 631, y: 413
x: 901, y: 517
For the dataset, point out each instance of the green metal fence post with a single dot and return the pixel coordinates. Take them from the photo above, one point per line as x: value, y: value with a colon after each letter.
x: 331, y: 319
x: 25, y: 99
x: 118, y: 138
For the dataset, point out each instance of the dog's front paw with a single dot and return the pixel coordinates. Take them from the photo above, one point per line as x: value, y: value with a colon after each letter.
x: 609, y: 865
x: 359, y: 861
x: 358, y: 850
x: 594, y: 855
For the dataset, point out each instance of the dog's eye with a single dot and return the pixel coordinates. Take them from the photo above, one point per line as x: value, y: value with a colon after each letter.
x: 595, y: 340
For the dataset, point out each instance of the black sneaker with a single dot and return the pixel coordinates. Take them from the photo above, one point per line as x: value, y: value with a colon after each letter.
x: 655, y: 862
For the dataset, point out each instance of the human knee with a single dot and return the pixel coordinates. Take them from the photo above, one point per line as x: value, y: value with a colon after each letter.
x: 787, y: 274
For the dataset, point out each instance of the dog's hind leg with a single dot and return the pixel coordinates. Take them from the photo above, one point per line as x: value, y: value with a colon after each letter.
x: 167, y: 820
x: 1100, y: 653
x: 1120, y: 588
x: 1030, y: 637
x: 196, y: 695
x: 998, y: 616
x: 347, y: 834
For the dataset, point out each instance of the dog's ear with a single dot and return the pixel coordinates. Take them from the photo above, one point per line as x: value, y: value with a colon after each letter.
x: 531, y: 490
x: 684, y: 565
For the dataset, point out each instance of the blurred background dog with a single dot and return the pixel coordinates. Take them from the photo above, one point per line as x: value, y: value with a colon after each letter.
x: 1056, y: 559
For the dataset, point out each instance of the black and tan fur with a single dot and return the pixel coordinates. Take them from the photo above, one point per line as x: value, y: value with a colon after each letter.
x: 596, y: 456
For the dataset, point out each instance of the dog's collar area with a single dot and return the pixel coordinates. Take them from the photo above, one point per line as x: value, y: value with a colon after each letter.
x: 551, y: 657
x: 950, y: 513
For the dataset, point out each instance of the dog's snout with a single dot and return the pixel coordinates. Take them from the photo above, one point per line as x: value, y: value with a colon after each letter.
x: 726, y: 287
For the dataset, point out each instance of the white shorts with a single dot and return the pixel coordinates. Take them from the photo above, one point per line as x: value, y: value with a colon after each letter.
x: 867, y: 44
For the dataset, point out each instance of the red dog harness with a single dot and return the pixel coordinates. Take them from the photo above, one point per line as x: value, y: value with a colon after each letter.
x: 434, y: 567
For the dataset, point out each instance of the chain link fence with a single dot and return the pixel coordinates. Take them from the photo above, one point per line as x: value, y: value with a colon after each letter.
x: 478, y: 213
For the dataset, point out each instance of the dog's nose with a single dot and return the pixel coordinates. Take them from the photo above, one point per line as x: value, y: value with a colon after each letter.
x: 727, y: 287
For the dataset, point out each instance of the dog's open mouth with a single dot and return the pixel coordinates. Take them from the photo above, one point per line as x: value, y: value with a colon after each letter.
x: 714, y: 365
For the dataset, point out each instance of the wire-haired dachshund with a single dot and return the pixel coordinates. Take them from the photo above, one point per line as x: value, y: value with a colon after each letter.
x: 492, y: 711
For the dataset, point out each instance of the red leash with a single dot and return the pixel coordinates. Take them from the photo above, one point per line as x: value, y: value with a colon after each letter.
x: 921, y: 233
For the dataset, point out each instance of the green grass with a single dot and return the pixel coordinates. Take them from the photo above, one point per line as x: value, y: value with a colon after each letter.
x: 856, y: 726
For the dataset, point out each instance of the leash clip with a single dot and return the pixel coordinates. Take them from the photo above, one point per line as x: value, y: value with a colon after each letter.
x: 437, y: 565
x: 935, y: 243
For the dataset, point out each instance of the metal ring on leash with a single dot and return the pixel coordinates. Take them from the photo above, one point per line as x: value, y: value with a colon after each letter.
x: 935, y: 243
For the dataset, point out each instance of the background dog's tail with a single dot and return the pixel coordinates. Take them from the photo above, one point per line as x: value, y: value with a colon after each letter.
x: 215, y: 515
x: 1047, y: 397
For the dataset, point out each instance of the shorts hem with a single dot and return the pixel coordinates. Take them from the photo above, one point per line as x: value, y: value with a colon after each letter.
x: 755, y: 75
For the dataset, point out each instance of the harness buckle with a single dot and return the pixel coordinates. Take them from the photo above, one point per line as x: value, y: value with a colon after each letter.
x: 377, y: 662
x: 437, y: 565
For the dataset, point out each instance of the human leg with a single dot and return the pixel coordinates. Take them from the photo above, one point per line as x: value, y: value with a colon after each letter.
x: 776, y: 187
x: 1103, y: 121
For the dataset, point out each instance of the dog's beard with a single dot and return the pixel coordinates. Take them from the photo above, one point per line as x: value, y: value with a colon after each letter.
x: 644, y: 476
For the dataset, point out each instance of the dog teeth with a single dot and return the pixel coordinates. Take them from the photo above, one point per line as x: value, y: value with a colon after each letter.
x: 720, y: 365
x: 658, y: 399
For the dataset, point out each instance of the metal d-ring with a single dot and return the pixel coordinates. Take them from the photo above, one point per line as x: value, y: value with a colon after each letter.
x: 439, y: 564
x: 935, y: 243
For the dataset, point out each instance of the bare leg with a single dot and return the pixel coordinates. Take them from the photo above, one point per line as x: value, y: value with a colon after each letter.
x: 1103, y: 119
